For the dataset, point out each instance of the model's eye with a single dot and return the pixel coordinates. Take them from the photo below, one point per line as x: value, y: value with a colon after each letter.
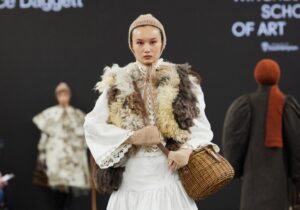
x: 140, y: 43
x: 153, y: 42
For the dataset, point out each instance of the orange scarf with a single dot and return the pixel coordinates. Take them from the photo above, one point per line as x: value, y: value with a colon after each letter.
x: 267, y: 72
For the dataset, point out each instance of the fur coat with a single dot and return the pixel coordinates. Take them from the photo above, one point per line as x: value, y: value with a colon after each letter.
x: 62, y: 150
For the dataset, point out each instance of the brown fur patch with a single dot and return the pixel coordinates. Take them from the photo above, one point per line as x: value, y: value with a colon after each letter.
x: 107, y: 180
x: 112, y: 94
x: 172, y: 145
x: 136, y: 103
x: 185, y: 105
x: 138, y: 106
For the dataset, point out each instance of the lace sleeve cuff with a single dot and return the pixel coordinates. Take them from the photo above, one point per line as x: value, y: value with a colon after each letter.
x: 115, y: 154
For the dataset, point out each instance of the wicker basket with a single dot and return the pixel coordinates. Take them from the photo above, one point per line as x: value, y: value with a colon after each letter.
x: 206, y: 173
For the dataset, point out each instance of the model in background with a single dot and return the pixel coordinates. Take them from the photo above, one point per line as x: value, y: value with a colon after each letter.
x: 62, y: 148
x: 142, y: 104
x: 261, y: 139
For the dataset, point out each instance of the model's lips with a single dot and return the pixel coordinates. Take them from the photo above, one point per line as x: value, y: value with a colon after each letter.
x: 148, y: 56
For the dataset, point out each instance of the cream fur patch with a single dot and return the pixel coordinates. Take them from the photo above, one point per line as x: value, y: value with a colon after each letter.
x: 166, y: 94
x: 118, y: 77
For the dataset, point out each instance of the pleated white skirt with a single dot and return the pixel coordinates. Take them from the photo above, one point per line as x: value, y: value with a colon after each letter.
x: 148, y: 184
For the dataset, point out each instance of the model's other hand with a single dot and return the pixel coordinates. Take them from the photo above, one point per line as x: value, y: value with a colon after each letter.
x: 179, y: 158
x: 148, y: 135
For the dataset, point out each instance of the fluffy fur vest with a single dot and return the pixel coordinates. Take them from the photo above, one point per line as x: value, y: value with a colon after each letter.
x: 174, y: 99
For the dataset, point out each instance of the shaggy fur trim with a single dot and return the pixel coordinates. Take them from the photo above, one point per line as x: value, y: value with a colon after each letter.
x: 123, y: 115
x: 167, y: 90
x: 196, y: 77
x: 185, y: 105
x: 108, y: 77
x: 118, y: 77
x: 107, y: 180
x: 127, y: 113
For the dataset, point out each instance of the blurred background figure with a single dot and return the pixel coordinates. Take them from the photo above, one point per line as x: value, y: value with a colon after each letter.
x: 62, y: 162
x: 261, y: 139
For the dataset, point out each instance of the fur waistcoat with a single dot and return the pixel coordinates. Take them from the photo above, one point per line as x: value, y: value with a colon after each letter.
x: 174, y: 100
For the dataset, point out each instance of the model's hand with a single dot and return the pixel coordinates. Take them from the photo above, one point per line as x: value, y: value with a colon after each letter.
x: 178, y: 159
x: 148, y: 135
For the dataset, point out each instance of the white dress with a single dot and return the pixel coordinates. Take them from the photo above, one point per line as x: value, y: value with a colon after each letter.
x: 147, y: 183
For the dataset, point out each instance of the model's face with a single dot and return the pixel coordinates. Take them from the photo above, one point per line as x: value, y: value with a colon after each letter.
x: 146, y: 44
x: 63, y: 98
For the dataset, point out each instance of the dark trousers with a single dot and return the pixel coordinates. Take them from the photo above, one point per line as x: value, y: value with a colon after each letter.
x: 62, y: 200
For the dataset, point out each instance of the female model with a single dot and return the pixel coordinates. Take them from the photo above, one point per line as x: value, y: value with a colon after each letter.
x: 147, y: 102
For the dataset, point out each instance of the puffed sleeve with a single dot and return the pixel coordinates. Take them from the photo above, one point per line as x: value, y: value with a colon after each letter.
x: 105, y: 141
x: 291, y: 135
x: 236, y: 133
x: 40, y: 120
x: 44, y: 118
x: 201, y: 133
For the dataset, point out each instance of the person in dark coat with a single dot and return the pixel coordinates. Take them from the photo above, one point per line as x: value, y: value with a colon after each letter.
x: 261, y: 139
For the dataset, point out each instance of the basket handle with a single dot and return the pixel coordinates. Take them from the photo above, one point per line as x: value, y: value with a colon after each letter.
x: 207, y: 149
x: 213, y: 154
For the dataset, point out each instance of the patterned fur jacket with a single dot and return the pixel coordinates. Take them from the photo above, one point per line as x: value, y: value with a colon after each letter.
x: 175, y: 101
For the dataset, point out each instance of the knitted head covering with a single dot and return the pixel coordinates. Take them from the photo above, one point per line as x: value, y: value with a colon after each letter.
x: 267, y: 72
x: 62, y: 87
x: 147, y: 20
